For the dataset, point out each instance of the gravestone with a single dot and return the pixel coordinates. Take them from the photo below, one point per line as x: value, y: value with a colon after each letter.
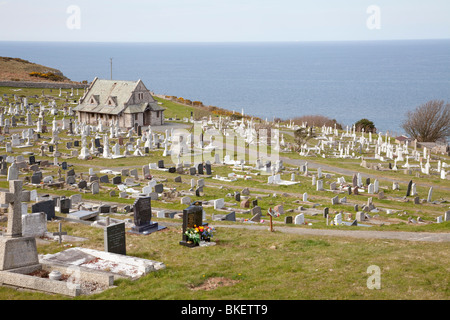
x: 65, y: 205
x: 34, y: 224
x: 48, y: 207
x: 360, y: 216
x: 335, y: 200
x: 159, y: 188
x: 230, y: 217
x: 447, y: 216
x: 142, y: 209
x: 408, y: 190
x: 117, y: 180
x: 257, y: 214
x: 16, y: 251
x: 192, y: 217
x: 82, y: 184
x: 208, y: 169
x: 219, y: 204
x: 245, y: 203
x: 288, y: 220
x: 36, y: 178
x: 200, y: 168
x: 115, y: 238
x: 95, y: 187
x: 326, y: 212
x: 299, y: 219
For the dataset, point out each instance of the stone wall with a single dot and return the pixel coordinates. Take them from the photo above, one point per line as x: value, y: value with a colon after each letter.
x: 43, y: 85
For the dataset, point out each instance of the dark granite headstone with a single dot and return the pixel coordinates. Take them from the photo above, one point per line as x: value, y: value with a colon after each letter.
x: 142, y: 217
x: 230, y: 217
x: 48, y: 207
x: 105, y: 208
x: 36, y: 178
x: 237, y: 196
x: 192, y: 171
x: 200, y: 168
x: 197, y: 191
x: 159, y: 188
x: 161, y: 164
x: 64, y: 205
x: 192, y: 216
x: 97, y: 142
x: 32, y: 160
x: 82, y: 184
x: 104, y: 179
x: 408, y: 191
x: 254, y: 203
x: 325, y: 212
x: 117, y: 180
x: 288, y: 220
x: 50, y: 148
x: 64, y: 165
x: 76, y: 143
x: 172, y: 170
x: 208, y: 169
x: 115, y: 238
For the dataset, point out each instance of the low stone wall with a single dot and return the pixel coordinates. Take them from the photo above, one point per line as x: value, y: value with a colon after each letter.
x: 43, y: 85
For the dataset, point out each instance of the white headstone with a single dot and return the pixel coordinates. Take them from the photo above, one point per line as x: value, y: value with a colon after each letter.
x: 299, y: 219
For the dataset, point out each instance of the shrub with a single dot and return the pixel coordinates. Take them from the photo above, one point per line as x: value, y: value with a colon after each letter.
x: 365, y: 124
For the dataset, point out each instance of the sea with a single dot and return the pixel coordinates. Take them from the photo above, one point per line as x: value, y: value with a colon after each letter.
x: 347, y: 81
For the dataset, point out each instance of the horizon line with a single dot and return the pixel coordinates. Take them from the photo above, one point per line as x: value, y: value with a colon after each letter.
x: 224, y: 42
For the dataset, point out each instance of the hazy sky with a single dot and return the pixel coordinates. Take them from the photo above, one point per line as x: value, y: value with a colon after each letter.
x: 223, y: 20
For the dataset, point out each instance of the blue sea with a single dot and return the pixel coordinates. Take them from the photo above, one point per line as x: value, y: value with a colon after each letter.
x: 346, y: 81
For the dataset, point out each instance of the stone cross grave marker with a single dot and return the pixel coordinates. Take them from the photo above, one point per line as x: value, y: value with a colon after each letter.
x: 15, y: 250
x: 14, y: 199
x: 60, y: 233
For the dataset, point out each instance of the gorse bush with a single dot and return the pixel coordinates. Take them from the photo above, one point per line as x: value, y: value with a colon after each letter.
x: 49, y: 75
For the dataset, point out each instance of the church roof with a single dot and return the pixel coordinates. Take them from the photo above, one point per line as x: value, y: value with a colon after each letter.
x: 114, y: 97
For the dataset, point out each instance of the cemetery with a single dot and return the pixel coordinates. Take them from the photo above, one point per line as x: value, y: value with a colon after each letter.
x: 91, y: 210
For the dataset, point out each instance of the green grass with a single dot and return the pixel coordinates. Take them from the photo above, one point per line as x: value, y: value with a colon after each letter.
x: 267, y: 265
x: 273, y: 266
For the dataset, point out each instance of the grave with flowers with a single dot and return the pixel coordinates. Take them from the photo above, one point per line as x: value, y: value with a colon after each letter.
x: 195, y: 232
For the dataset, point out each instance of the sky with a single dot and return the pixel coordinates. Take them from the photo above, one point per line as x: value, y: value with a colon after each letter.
x: 223, y: 20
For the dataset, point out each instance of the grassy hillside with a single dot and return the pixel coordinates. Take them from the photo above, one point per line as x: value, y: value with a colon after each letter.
x: 15, y: 69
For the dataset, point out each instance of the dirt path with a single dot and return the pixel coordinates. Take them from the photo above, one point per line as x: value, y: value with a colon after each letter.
x: 358, y: 234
